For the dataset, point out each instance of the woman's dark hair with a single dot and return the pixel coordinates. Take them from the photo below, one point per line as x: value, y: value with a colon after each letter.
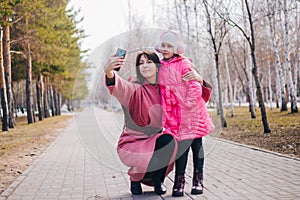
x: 151, y: 56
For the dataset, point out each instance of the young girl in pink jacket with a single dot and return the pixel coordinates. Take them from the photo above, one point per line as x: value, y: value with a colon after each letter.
x: 185, y: 113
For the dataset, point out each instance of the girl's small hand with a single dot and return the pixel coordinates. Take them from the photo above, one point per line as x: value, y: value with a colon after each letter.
x: 113, y: 63
x: 192, y: 75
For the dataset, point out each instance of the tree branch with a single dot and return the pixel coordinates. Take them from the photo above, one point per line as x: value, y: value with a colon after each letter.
x: 19, y: 52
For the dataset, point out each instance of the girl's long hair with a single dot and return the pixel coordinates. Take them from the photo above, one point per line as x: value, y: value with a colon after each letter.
x: 151, y: 56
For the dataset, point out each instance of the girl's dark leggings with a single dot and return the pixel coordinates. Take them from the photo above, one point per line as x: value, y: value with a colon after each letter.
x: 182, y: 155
x: 164, y: 149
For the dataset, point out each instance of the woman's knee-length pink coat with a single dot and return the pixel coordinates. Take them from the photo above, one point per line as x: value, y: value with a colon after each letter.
x: 143, y: 125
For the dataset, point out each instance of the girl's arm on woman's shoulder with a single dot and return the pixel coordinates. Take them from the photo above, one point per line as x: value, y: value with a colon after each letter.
x: 206, y: 90
x: 193, y: 89
x: 193, y: 75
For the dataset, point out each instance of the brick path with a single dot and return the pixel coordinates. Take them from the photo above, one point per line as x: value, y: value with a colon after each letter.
x: 82, y: 164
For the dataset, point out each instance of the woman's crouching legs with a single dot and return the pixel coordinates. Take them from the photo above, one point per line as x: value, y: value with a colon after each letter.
x: 164, y: 149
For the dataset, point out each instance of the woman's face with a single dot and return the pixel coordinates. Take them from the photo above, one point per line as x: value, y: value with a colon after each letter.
x: 167, y: 50
x: 148, y: 69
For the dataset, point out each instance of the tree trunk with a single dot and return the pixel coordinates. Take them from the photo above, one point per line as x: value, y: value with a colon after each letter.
x: 277, y: 56
x: 55, y: 101
x: 129, y: 15
x: 250, y: 89
x: 187, y: 19
x: 225, y: 96
x: 40, y: 96
x: 216, y: 57
x: 46, y: 98
x: 255, y: 74
x: 235, y: 89
x: 29, y: 104
x: 270, y: 86
x: 296, y: 73
x: 59, y: 103
x: 178, y: 15
x: 7, y: 69
x: 287, y: 65
x: 3, y: 88
x: 52, y: 104
x: 154, y: 13
x: 196, y: 21
x: 222, y: 117
x: 229, y: 87
x: 278, y: 89
x: 297, y: 59
x: 215, y: 82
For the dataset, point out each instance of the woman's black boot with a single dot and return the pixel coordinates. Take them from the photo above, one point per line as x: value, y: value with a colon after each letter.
x: 159, y: 187
x: 178, y: 188
x: 197, y: 187
x: 136, y: 188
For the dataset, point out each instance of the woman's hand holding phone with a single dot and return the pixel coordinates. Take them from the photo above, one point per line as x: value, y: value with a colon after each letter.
x: 121, y: 53
x: 112, y: 64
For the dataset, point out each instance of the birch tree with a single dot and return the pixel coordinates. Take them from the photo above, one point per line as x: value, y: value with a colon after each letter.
x: 229, y: 86
x: 291, y: 87
x: 240, y: 65
x: 270, y: 85
x: 279, y: 70
x: 216, y: 39
x: 250, y: 86
x: 251, y: 41
x: 186, y: 12
x: 297, y: 53
x: 178, y: 15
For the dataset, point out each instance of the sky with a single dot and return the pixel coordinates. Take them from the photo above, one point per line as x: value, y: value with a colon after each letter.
x: 105, y: 19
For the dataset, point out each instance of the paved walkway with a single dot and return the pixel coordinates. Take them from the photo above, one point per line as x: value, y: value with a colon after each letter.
x: 82, y: 164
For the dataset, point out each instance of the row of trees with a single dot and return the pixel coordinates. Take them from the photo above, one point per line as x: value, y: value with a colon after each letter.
x: 40, y: 59
x: 248, y: 49
x: 253, y: 46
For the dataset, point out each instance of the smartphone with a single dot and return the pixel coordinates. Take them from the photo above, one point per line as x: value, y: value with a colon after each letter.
x: 120, y: 53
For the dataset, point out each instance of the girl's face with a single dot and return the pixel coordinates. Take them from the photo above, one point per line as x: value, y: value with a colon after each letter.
x: 148, y: 69
x: 167, y: 50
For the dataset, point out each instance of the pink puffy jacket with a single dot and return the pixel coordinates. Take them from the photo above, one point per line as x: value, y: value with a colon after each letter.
x: 185, y: 114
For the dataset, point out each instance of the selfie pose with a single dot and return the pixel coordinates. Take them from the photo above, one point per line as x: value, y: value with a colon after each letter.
x: 185, y: 113
x: 142, y: 146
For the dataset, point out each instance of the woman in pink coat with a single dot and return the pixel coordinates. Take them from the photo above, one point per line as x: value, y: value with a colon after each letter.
x: 185, y: 113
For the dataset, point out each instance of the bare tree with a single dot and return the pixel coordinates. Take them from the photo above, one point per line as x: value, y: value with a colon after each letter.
x: 297, y: 54
x: 178, y: 15
x: 245, y: 88
x: 196, y: 21
x: 216, y: 40
x: 40, y: 96
x: 130, y: 15
x: 229, y: 87
x: 251, y: 41
x: 250, y: 86
x: 272, y: 27
x: 187, y: 19
x: 46, y: 97
x: 287, y: 65
x: 270, y: 85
